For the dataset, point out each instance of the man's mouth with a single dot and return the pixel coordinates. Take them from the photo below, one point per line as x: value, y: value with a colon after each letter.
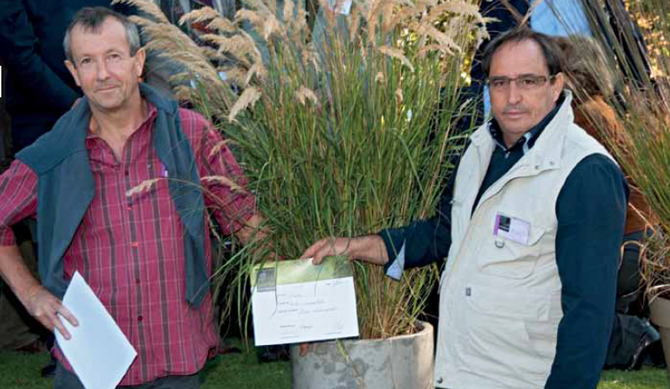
x: 514, y: 114
x: 106, y: 88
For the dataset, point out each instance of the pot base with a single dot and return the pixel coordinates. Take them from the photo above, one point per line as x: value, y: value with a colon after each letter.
x: 399, y: 362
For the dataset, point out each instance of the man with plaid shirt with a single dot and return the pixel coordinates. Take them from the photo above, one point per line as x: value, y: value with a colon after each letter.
x: 120, y: 187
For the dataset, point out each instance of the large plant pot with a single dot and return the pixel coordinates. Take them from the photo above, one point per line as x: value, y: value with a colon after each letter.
x: 399, y: 362
x: 660, y: 315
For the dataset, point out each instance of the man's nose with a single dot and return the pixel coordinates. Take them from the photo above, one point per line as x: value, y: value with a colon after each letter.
x: 102, y: 72
x: 514, y: 94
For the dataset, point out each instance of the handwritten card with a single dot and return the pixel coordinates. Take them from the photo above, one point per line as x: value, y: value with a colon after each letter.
x: 295, y: 301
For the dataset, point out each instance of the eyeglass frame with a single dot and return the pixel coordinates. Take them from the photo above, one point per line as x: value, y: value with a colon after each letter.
x: 540, y: 78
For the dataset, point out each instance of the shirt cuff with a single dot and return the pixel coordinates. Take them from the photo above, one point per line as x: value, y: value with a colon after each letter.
x: 242, y: 208
x: 395, y: 268
x: 7, y: 236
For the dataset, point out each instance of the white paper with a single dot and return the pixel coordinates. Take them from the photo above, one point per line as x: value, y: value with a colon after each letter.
x: 98, y: 351
x: 303, y: 304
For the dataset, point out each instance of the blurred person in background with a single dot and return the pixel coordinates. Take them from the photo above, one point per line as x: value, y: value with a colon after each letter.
x: 633, y: 338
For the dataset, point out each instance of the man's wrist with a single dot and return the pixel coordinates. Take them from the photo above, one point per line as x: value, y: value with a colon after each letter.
x: 370, y: 248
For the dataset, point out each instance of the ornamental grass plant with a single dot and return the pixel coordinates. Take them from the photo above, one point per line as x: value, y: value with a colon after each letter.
x: 343, y: 129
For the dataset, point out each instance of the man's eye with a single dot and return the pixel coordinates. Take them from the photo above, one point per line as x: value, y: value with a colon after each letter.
x: 528, y: 81
x: 499, y: 83
x: 85, y: 61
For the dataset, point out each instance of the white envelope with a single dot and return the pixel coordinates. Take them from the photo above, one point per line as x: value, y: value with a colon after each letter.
x: 98, y: 351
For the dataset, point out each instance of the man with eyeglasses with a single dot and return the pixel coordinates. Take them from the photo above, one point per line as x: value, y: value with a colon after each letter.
x: 530, y: 224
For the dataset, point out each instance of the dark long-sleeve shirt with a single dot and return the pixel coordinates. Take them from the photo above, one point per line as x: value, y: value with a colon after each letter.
x: 591, y: 210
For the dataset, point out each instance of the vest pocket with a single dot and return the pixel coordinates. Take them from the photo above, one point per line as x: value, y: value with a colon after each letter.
x: 494, y: 336
x: 507, y: 258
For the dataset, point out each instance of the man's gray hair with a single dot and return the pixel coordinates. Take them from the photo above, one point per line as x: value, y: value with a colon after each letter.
x: 90, y: 19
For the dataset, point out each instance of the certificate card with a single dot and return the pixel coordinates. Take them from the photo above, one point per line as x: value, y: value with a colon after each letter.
x: 295, y: 301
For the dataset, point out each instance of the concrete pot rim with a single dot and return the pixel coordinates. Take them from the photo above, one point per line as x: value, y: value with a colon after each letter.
x: 660, y: 311
x: 427, y: 329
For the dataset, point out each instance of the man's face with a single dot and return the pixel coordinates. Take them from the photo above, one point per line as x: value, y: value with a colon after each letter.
x: 102, y: 66
x: 521, y: 105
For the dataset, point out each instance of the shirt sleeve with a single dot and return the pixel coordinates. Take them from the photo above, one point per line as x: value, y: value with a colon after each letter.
x: 421, y: 242
x: 591, y: 210
x: 18, y: 199
x: 227, y: 195
x: 18, y: 47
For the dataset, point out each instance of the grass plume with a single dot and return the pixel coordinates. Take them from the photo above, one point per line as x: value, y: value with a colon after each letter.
x: 343, y: 130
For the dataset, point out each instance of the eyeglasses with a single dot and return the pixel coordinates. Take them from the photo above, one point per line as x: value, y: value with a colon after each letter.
x: 525, y: 82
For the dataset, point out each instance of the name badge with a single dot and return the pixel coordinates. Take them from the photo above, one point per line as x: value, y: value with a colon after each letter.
x: 511, y: 228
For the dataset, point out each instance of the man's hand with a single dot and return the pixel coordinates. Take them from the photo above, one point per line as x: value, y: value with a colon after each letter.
x: 327, y: 247
x: 45, y: 307
x: 368, y: 248
x: 35, y: 298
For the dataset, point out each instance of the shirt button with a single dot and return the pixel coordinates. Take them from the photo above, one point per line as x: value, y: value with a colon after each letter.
x: 440, y: 380
x: 127, y: 172
x: 139, y: 318
x: 500, y: 243
x: 137, y: 281
x: 135, y: 244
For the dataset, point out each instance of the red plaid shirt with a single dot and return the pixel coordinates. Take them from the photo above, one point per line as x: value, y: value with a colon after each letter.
x: 130, y: 248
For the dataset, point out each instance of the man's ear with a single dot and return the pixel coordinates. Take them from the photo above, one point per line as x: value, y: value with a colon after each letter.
x: 558, y: 85
x: 73, y: 70
x: 140, y: 58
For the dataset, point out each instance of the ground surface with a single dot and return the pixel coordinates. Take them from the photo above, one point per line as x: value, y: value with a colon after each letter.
x: 21, y: 371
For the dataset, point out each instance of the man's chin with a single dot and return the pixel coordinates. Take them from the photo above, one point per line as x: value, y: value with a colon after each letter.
x: 106, y: 105
x: 515, y: 127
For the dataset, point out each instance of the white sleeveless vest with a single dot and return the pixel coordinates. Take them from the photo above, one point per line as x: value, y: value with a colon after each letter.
x: 500, y: 299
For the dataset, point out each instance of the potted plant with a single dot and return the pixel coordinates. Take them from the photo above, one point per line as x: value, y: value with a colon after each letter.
x: 342, y: 130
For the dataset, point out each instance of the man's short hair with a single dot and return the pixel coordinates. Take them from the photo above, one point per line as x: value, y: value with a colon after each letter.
x: 550, y: 50
x: 90, y: 19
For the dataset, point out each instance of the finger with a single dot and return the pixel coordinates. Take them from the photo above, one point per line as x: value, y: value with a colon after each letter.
x: 311, y: 250
x: 46, y: 322
x: 68, y: 315
x: 307, y: 253
x: 304, y: 348
x: 58, y: 325
x: 317, y: 259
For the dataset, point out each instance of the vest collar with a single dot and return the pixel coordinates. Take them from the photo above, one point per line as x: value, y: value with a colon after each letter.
x: 548, y: 148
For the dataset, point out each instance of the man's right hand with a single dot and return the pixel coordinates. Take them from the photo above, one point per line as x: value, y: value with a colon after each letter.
x: 45, y: 307
x: 369, y: 248
x: 41, y: 304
